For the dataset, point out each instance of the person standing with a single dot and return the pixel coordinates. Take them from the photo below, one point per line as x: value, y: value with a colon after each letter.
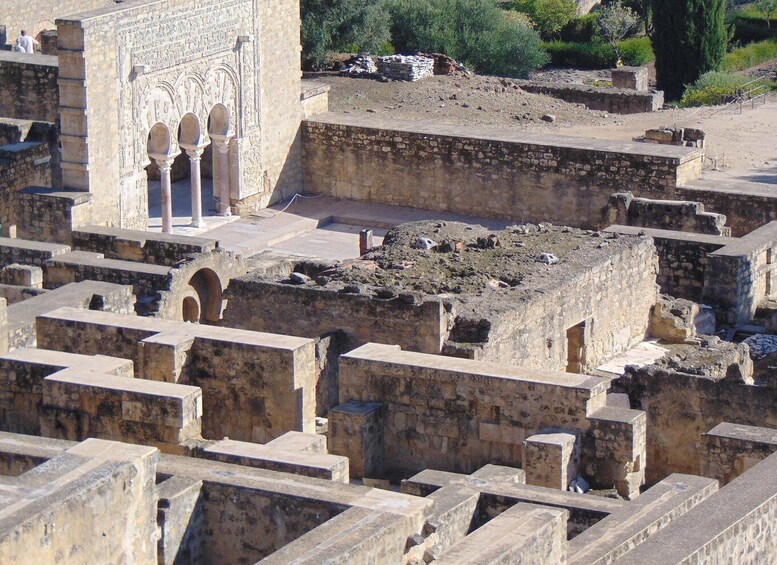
x: 27, y: 43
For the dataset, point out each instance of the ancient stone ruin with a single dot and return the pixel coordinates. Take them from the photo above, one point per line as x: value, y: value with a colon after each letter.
x: 530, y: 348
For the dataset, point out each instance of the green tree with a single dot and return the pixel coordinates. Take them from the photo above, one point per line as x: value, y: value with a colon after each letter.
x: 768, y: 8
x: 475, y: 32
x: 341, y: 25
x: 548, y: 15
x: 689, y: 39
x: 616, y: 21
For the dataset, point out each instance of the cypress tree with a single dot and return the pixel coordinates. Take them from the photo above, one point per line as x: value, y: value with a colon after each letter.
x: 689, y: 39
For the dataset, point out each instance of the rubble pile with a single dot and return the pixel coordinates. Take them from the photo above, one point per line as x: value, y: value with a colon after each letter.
x: 359, y: 65
x: 406, y: 67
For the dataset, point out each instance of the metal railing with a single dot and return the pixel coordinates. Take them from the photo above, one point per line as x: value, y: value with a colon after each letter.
x: 752, y: 91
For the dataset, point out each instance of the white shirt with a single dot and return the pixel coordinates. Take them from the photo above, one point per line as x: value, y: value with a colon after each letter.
x: 27, y: 43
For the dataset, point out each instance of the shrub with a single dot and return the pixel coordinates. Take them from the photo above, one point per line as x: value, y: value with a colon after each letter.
x: 475, y: 32
x: 582, y: 29
x: 549, y: 16
x: 637, y: 51
x: 712, y: 88
x: 750, y: 25
x: 749, y: 56
x: 616, y: 22
x: 599, y: 55
x: 339, y: 25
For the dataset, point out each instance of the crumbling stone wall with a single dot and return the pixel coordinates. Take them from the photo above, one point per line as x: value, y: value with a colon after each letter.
x: 21, y: 165
x: 259, y: 305
x: 675, y: 215
x: 731, y: 449
x: 686, y: 398
x: 458, y: 415
x: 485, y: 173
x: 746, y: 208
x: 612, y: 100
x: 28, y: 86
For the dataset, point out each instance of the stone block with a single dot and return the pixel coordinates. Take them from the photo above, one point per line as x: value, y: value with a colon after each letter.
x: 356, y: 431
x: 551, y: 458
x: 630, y: 78
x: 22, y: 275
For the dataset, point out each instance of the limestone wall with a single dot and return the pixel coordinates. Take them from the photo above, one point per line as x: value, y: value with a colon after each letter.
x: 259, y: 305
x: 681, y: 407
x: 255, y: 386
x: 492, y: 173
x: 458, y: 415
x: 99, y: 497
x: 535, y: 332
x: 28, y: 86
x: 34, y: 16
x: 21, y: 165
x: 747, y: 207
x: 612, y: 100
x: 728, y: 450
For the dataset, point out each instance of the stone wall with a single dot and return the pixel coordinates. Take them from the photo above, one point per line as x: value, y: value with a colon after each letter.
x: 255, y: 386
x: 675, y: 215
x: 612, y: 100
x: 21, y: 165
x: 28, y: 86
x: 681, y: 406
x: 458, y: 415
x: 735, y: 525
x: 728, y: 450
x: 482, y: 172
x: 34, y: 16
x: 99, y: 497
x: 682, y: 259
x: 741, y: 274
x: 264, y: 306
x: 747, y: 206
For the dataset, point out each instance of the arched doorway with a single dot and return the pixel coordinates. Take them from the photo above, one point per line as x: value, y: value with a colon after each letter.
x: 207, y: 286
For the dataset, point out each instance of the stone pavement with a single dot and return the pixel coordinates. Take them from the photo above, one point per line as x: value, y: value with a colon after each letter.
x: 321, y: 227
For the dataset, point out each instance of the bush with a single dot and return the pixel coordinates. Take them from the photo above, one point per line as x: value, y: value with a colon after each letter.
x: 475, y: 32
x: 749, y: 56
x: 581, y: 30
x: 749, y: 25
x: 341, y: 25
x: 549, y: 16
x: 599, y: 55
x: 712, y: 88
x: 637, y: 51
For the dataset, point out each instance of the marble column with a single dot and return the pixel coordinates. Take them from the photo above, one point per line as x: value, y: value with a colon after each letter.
x: 222, y: 146
x: 165, y: 165
x: 194, y: 154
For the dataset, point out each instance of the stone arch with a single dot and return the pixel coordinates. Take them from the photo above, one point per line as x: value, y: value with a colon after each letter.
x: 218, y: 120
x: 160, y: 142
x: 190, y: 131
x: 190, y: 309
x: 207, y: 285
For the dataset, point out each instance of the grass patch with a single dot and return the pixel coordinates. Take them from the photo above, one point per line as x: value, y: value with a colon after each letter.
x: 749, y: 56
x: 713, y: 88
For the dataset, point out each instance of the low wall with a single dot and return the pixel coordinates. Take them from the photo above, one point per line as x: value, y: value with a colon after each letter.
x: 738, y: 524
x: 682, y: 259
x: 304, y: 311
x: 485, y: 172
x: 681, y: 407
x: 28, y: 86
x: 612, y: 100
x: 21, y: 165
x: 458, y: 415
x: 747, y: 206
x: 731, y: 449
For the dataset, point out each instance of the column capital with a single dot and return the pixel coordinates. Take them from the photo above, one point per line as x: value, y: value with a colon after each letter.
x: 164, y: 162
x: 194, y: 153
x: 221, y: 142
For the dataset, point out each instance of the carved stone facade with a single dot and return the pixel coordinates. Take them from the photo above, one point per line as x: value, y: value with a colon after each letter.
x: 194, y: 73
